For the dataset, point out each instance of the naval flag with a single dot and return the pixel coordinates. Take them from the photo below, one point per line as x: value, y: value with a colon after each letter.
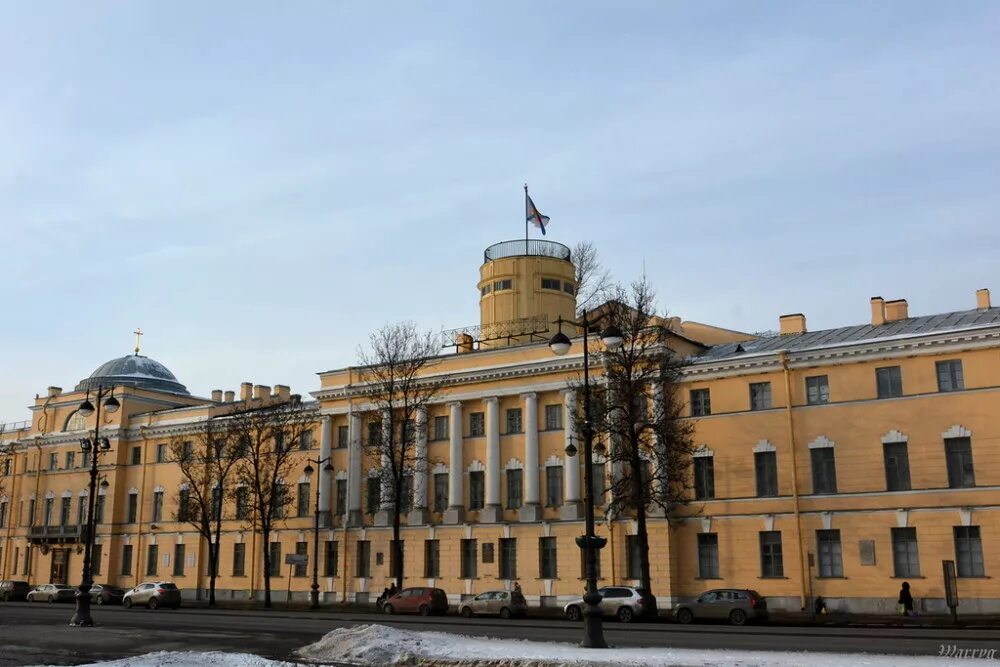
x: 533, y: 215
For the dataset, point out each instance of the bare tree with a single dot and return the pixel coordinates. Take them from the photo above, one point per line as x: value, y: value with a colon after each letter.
x: 266, y: 437
x: 639, y: 411
x: 593, y: 281
x: 394, y: 376
x: 207, y: 461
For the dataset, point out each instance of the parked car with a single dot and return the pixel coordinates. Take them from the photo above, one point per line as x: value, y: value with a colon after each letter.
x: 14, y: 590
x: 737, y: 605
x: 52, y: 593
x: 421, y: 601
x: 495, y: 603
x: 153, y: 594
x: 627, y: 604
x: 106, y: 594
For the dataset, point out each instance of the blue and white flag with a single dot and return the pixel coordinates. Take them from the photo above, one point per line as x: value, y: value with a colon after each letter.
x: 533, y: 215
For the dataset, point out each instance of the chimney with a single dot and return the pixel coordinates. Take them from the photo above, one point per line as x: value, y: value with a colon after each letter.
x: 282, y: 391
x: 896, y: 310
x: 878, y: 311
x: 982, y: 299
x: 261, y: 391
x: 57, y: 391
x: 230, y: 396
x: 792, y: 324
x: 463, y: 343
x: 245, y: 390
x: 217, y: 395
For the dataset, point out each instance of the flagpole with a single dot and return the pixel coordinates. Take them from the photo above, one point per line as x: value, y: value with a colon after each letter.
x: 525, y: 219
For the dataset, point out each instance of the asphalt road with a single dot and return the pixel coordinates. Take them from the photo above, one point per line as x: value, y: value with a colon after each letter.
x: 39, y: 633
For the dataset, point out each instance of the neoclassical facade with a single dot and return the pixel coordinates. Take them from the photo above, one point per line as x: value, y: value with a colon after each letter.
x: 837, y: 463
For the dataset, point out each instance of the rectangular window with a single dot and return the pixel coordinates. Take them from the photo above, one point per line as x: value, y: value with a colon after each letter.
x: 136, y: 456
x: 553, y: 486
x: 508, y: 558
x: 817, y: 390
x: 968, y: 552
x: 341, y: 496
x: 406, y: 493
x: 704, y: 477
x: 301, y: 549
x: 49, y: 502
x: 514, y: 421
x: 760, y: 395
x: 828, y: 548
x: 133, y: 507
x: 771, y: 563
x: 363, y: 564
x: 217, y: 502
x: 157, y: 506
x: 3, y: 514
x: 239, y: 559
x: 374, y: 494
x: 302, y: 506
x: 766, y: 472
x: 183, y: 504
x: 905, y: 553
x: 306, y: 440
x: 569, y: 288
x: 432, y: 558
x: 53, y: 461
x: 331, y: 558
x: 889, y: 381
x: 440, y: 491
x: 477, y: 424
x: 281, y: 497
x: 441, y: 427
x: 70, y: 461
x: 65, y: 505
x: 274, y: 555
x: 824, y: 470
x: 550, y: 283
x: 476, y: 489
x: 85, y: 462
x: 242, y: 503
x: 958, y: 454
x: 152, y: 558
x: 897, y: 466
x: 553, y: 417
x: 470, y: 560
x: 374, y: 433
x: 126, y: 560
x: 949, y: 375
x: 99, y: 508
x: 178, y: 560
x: 633, y: 558
x: 547, y: 562
x: 600, y: 483
x: 485, y: 289
x: 161, y: 453
x: 343, y: 437
x: 708, y: 555
x: 95, y: 559
x: 507, y: 283
x: 81, y: 510
x: 701, y: 403
x: 515, y: 486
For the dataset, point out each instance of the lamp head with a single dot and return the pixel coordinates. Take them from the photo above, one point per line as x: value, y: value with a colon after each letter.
x: 308, y: 470
x: 612, y: 338
x: 328, y: 467
x: 111, y: 405
x: 560, y: 344
x: 105, y: 444
x: 85, y: 444
x: 571, y: 449
x: 86, y: 408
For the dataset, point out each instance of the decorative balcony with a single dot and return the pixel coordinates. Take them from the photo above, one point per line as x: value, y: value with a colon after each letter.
x: 56, y: 534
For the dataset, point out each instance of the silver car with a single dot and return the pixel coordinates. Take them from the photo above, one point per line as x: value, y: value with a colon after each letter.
x: 153, y: 594
x: 627, y: 604
x: 736, y: 605
x: 495, y: 603
x: 52, y: 593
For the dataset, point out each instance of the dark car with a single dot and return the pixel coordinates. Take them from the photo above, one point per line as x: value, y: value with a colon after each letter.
x: 153, y: 594
x: 106, y: 594
x: 14, y: 590
x: 736, y: 605
x: 423, y: 601
x: 52, y: 593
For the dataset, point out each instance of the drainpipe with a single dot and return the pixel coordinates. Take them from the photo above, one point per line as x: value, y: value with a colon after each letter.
x: 805, y: 582
x: 345, y: 559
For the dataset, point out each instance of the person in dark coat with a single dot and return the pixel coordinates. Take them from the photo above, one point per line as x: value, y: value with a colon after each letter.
x: 906, y: 599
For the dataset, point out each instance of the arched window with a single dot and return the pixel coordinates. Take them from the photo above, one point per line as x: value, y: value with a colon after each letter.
x: 76, y: 422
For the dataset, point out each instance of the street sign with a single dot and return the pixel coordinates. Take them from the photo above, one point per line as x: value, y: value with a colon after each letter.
x: 950, y: 588
x: 296, y: 559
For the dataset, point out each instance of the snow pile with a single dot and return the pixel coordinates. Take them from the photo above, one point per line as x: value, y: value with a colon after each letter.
x: 381, y: 645
x: 193, y: 659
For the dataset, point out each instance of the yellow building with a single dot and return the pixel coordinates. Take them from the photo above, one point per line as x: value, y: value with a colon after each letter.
x: 835, y: 463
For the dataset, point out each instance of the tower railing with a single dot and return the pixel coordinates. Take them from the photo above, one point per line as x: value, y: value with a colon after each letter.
x: 526, y: 247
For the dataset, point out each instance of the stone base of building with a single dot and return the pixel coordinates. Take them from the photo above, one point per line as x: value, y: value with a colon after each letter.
x: 571, y: 511
x: 453, y: 515
x: 491, y: 514
x: 418, y: 516
x: 530, y: 513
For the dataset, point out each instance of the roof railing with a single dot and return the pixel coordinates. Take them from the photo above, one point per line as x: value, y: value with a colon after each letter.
x: 526, y: 248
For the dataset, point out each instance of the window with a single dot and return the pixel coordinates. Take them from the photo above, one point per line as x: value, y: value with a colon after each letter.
x: 968, y: 552
x: 343, y: 437
x: 760, y: 395
x: 498, y: 285
x: 374, y: 433
x: 701, y: 402
x: 31, y: 512
x: 306, y: 440
x: 553, y: 417
x: 470, y: 559
x: 633, y: 557
x: 766, y: 472
x: 95, y: 559
x: 136, y: 456
x: 274, y: 555
x: 515, y: 486
x: 242, y: 503
x: 64, y: 510
x: 6, y: 467
x: 183, y: 504
x: 547, y: 558
x: 49, y: 502
x: 126, y: 560
x: 178, y: 560
x: 216, y: 502
x: 704, y: 477
x: 99, y: 509
x: 550, y: 283
x: 53, y: 461
x: 889, y: 382
x: 828, y: 547
x: 897, y: 466
x: 70, y: 462
x: 477, y: 424
x: 514, y: 421
x: 553, y: 486
x: 331, y: 556
x: 476, y: 481
x: 363, y: 565
x: 432, y: 558
x: 708, y: 555
x: 133, y: 507
x: 949, y: 375
x: 771, y: 564
x: 302, y: 506
x: 341, y: 496
x: 157, y: 506
x: 85, y: 462
x: 569, y: 288
x: 817, y: 390
x: 905, y: 554
x: 440, y: 491
x: 440, y: 428
x: 406, y: 493
x: 508, y: 558
x: 81, y: 510
x: 152, y: 556
x: 161, y: 453
x: 824, y: 470
x: 3, y: 514
x: 958, y: 452
x: 280, y: 499
x: 239, y: 559
x: 485, y: 289
x: 301, y: 549
x: 599, y: 482
x: 374, y: 494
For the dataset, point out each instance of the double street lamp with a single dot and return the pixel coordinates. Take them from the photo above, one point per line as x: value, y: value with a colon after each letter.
x: 314, y: 592
x: 92, y: 447
x: 560, y: 344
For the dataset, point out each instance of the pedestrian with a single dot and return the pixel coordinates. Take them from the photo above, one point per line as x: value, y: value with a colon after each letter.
x: 819, y: 607
x: 517, y: 587
x: 382, y: 599
x: 905, y: 602
x: 392, y: 590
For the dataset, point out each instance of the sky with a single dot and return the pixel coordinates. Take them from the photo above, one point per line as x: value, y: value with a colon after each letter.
x: 258, y: 186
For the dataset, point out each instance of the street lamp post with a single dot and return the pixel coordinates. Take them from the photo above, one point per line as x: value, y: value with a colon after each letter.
x: 590, y: 542
x: 314, y: 592
x: 99, y: 444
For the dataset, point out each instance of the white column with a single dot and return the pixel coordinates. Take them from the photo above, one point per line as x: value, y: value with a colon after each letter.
x: 385, y: 503
x: 492, y: 513
x: 456, y: 507
x: 531, y: 510
x: 571, y: 465
x: 354, y: 472
x: 325, y: 445
x: 420, y: 480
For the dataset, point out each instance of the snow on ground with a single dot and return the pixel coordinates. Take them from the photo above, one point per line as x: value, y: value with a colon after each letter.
x: 382, y: 645
x: 193, y: 659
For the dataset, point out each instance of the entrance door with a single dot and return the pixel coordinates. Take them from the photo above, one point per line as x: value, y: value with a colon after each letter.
x: 60, y: 566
